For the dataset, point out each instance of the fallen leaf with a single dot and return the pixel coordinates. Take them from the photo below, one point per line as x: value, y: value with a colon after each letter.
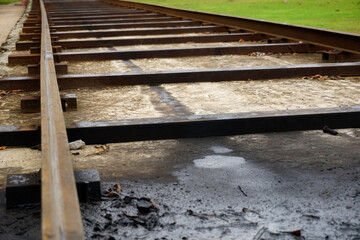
x: 4, y: 93
x: 241, y: 40
x: 113, y: 194
x: 117, y: 187
x: 100, y: 150
x: 15, y: 91
x: 320, y: 77
x: 3, y: 148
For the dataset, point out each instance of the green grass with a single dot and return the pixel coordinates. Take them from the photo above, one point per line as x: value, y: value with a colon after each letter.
x: 342, y: 15
x: 5, y: 2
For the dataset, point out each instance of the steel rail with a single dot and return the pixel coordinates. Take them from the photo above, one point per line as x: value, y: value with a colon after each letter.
x: 107, y: 16
x: 181, y: 52
x: 115, y: 20
x: 118, y: 33
x: 332, y: 39
x: 73, y: 81
x: 93, y: 10
x: 97, y: 9
x: 168, y: 52
x: 115, y: 26
x: 61, y: 218
x: 204, y: 38
x: 92, y: 13
x: 125, y: 25
x: 101, y: 132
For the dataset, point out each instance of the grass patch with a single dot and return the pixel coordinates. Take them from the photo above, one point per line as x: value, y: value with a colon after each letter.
x: 342, y: 15
x: 5, y: 2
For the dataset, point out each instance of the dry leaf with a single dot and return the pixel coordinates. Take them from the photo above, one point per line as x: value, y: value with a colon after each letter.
x: 241, y: 40
x: 15, y: 91
x: 3, y: 148
x: 4, y: 93
x: 320, y: 77
x: 117, y: 187
x: 113, y: 194
x: 100, y: 150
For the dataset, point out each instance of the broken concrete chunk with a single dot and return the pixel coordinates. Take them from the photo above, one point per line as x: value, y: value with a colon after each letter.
x: 78, y: 144
x: 144, y: 206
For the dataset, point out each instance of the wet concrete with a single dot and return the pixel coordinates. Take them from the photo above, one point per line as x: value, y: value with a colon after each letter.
x: 20, y: 223
x: 242, y: 187
x: 264, y: 186
x: 239, y: 187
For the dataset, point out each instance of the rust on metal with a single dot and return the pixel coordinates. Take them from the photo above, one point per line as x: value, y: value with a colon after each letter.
x: 61, y: 218
x: 332, y: 39
x: 67, y: 25
x: 131, y: 32
x: 106, y: 16
x: 73, y: 81
x: 115, y: 26
x: 101, y: 132
x: 205, y: 38
x: 187, y: 52
x: 31, y: 104
x: 116, y: 20
x: 171, y: 52
x: 34, y: 69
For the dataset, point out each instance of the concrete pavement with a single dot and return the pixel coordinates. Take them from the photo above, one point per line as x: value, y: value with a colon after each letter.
x: 9, y: 15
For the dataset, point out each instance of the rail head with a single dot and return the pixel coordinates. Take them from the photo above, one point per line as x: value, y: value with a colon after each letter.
x: 343, y: 41
x: 61, y: 218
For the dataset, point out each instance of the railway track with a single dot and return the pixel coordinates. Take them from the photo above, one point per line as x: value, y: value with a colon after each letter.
x: 57, y: 34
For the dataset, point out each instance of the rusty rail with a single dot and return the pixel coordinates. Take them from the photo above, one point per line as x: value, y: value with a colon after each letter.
x: 61, y: 218
x: 327, y: 38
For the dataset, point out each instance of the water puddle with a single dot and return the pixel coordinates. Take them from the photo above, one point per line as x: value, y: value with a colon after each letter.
x: 219, y: 161
x: 219, y: 149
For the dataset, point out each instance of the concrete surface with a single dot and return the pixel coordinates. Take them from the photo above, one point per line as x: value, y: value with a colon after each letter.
x: 12, y: 26
x: 9, y: 15
x: 242, y: 187
x: 261, y: 186
x: 264, y: 186
x: 131, y: 102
